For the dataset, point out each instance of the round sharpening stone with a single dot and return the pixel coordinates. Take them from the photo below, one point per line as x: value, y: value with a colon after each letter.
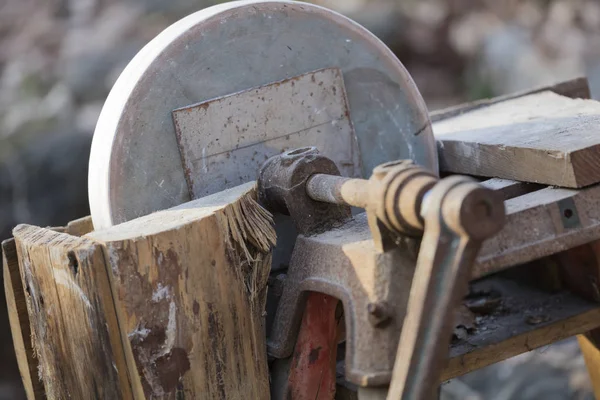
x: 136, y: 166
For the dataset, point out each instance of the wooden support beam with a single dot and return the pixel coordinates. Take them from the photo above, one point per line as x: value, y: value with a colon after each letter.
x: 19, y: 322
x: 312, y: 373
x: 580, y: 271
x: 531, y: 318
x: 74, y: 330
x: 189, y: 284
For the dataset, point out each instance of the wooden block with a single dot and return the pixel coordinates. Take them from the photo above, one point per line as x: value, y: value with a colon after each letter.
x: 74, y: 330
x: 190, y: 286
x: 80, y: 227
x: 543, y: 138
x: 19, y: 322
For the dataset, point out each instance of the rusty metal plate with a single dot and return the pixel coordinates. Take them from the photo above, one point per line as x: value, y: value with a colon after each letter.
x: 135, y: 165
x: 223, y: 142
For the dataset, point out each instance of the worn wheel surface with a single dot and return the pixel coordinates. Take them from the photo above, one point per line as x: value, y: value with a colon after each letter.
x: 135, y: 164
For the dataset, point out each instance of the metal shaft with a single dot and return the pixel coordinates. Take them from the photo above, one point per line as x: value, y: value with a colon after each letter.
x: 397, y: 198
x: 338, y: 190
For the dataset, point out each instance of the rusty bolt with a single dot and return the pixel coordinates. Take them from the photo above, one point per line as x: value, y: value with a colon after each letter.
x: 380, y: 314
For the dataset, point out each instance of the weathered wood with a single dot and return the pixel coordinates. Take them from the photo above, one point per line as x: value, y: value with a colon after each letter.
x: 580, y: 270
x: 531, y: 319
x: 577, y: 88
x: 19, y: 322
x: 189, y: 285
x: 71, y: 312
x: 544, y: 138
x: 313, y: 370
x: 80, y: 227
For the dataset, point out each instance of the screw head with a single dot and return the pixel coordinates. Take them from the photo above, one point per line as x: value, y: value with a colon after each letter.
x: 379, y: 314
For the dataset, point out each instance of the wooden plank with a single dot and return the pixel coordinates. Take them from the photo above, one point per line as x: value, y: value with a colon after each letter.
x: 543, y: 138
x: 71, y: 312
x: 19, y: 322
x: 577, y: 88
x: 190, y: 286
x: 528, y: 319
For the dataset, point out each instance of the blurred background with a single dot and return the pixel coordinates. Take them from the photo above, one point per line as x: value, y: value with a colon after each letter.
x: 59, y: 59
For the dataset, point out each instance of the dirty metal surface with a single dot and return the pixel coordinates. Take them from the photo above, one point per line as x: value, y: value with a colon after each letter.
x: 224, y: 141
x: 542, y: 223
x: 135, y: 165
x: 282, y: 188
x: 345, y: 264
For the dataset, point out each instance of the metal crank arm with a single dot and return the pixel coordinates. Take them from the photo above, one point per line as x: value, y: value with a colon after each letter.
x: 458, y: 216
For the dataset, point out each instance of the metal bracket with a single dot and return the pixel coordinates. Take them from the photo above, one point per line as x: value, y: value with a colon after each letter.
x: 373, y: 287
x: 371, y: 271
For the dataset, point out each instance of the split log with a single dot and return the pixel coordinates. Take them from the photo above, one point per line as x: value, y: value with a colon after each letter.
x: 19, y: 322
x: 74, y: 330
x: 189, y: 285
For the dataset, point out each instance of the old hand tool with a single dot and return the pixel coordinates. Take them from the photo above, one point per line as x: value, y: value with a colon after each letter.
x: 401, y: 199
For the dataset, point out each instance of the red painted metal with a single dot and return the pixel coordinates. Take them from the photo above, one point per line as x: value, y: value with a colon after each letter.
x: 312, y: 373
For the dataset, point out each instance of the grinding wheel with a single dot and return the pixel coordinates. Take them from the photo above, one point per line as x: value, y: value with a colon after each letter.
x: 136, y: 165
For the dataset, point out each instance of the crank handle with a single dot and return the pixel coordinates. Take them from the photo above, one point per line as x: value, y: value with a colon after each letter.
x: 459, y: 215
